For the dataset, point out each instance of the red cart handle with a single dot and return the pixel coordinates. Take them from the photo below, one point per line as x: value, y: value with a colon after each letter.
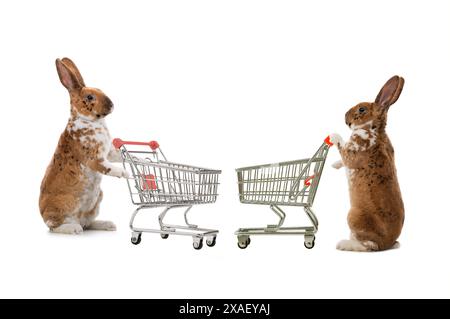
x: 118, y: 143
x: 328, y: 141
x: 308, y: 180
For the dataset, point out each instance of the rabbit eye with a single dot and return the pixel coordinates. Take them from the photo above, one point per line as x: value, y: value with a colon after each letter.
x: 362, y: 110
x: 90, y: 97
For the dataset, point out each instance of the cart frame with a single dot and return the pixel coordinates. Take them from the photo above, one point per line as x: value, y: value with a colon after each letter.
x: 278, y: 185
x: 157, y: 183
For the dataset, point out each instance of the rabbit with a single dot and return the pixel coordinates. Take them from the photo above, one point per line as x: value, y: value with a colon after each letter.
x: 377, y: 213
x: 70, y: 190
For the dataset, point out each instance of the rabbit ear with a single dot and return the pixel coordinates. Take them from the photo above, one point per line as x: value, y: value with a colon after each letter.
x: 68, y: 62
x: 67, y: 76
x: 390, y: 92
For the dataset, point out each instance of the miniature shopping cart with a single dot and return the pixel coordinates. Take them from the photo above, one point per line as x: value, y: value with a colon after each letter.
x: 156, y: 182
x: 291, y: 183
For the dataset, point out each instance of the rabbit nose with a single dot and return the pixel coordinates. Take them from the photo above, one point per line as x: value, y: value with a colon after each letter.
x: 109, y: 104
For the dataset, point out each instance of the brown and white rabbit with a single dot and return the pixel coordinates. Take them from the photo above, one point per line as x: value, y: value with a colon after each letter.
x: 70, y: 191
x: 376, y: 215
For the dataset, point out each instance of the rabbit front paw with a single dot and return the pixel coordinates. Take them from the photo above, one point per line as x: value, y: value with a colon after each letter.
x: 338, y: 164
x: 337, y: 140
x: 118, y: 172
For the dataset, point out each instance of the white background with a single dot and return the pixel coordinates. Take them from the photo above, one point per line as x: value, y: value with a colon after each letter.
x: 226, y: 84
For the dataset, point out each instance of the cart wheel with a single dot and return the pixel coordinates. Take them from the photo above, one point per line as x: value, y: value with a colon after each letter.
x: 309, y: 242
x: 198, y: 244
x: 136, y: 238
x: 164, y: 236
x: 243, y: 242
x: 242, y: 245
x: 211, y: 242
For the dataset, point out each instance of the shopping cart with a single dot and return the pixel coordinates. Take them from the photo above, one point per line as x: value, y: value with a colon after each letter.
x: 291, y: 183
x: 156, y: 182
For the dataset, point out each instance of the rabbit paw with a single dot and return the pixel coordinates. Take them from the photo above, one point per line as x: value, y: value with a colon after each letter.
x: 118, y: 172
x: 350, y: 245
x: 337, y: 164
x: 102, y: 225
x: 337, y: 140
x: 71, y: 229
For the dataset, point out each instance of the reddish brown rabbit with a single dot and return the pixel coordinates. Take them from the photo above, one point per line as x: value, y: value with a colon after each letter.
x: 70, y: 191
x: 376, y: 215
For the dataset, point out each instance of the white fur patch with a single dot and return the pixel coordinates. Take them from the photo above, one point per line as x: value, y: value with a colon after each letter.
x: 81, y: 122
x: 362, y: 131
x: 83, y: 117
x: 101, y: 134
x: 350, y: 245
x: 355, y: 127
x: 353, y: 244
x: 71, y: 229
x: 102, y: 225
x: 352, y: 145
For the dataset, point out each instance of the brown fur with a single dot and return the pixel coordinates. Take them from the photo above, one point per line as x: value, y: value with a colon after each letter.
x: 79, y: 158
x: 377, y: 213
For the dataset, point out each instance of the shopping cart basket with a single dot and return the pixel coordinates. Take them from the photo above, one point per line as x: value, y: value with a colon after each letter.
x: 156, y: 182
x: 291, y: 183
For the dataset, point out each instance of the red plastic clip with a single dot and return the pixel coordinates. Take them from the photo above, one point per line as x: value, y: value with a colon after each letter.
x: 328, y: 141
x: 308, y: 180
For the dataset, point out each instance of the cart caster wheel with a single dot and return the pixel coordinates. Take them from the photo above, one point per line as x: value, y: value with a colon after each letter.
x: 198, y: 244
x: 136, y: 239
x: 242, y: 245
x: 243, y: 242
x: 309, y: 242
x: 211, y: 242
x: 164, y: 236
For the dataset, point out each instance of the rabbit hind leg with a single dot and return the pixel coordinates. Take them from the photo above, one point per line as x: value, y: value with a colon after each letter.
x: 363, y: 237
x: 56, y: 213
x: 71, y: 229
x: 93, y: 224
